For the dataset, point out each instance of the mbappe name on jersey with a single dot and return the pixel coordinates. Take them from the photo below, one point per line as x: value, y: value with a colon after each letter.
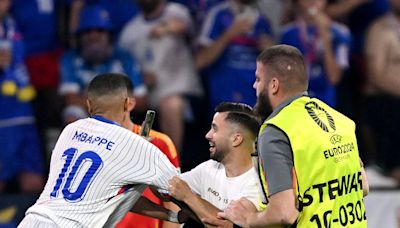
x: 92, y: 139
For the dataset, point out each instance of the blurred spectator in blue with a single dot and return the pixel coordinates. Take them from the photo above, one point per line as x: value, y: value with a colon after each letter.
x: 233, y: 34
x: 382, y: 106
x: 325, y: 45
x: 21, y: 157
x: 198, y: 9
x: 95, y: 54
x: 40, y: 25
x: 120, y: 11
x: 157, y: 38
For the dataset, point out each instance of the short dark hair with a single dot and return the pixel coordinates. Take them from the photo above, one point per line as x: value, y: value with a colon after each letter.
x: 242, y: 114
x: 107, y: 84
x: 288, y: 64
x: 129, y: 86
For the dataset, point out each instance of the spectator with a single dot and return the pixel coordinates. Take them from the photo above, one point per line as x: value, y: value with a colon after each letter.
x: 156, y: 38
x: 41, y: 25
x: 94, y: 54
x: 382, y: 91
x: 232, y: 36
x: 198, y: 9
x: 325, y: 45
x: 21, y: 157
x: 229, y: 174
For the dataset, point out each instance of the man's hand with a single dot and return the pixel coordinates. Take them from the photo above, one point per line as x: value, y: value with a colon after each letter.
x: 240, y: 26
x: 179, y: 189
x: 238, y: 211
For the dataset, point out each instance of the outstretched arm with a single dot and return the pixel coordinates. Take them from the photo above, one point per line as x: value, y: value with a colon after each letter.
x: 180, y: 190
x: 148, y: 208
x: 281, y: 210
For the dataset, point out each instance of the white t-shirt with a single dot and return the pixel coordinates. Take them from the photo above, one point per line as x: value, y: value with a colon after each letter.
x: 97, y: 172
x: 209, y: 180
x: 168, y: 57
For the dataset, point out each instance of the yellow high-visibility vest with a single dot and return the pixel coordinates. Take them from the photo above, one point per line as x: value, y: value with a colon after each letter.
x: 328, y: 182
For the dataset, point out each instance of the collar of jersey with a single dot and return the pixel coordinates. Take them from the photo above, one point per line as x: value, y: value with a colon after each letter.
x: 102, y: 119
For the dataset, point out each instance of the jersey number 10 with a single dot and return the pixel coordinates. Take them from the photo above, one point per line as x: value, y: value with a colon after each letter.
x: 79, y: 193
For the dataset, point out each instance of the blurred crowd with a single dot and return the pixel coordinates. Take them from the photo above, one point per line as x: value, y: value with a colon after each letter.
x: 184, y: 57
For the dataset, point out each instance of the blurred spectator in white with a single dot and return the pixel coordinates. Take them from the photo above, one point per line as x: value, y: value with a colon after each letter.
x: 21, y: 157
x: 233, y: 34
x: 275, y: 11
x: 325, y: 45
x: 94, y: 54
x: 157, y: 38
x: 198, y: 10
x: 382, y: 91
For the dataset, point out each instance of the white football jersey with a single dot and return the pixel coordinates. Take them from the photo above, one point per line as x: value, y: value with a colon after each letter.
x: 98, y: 170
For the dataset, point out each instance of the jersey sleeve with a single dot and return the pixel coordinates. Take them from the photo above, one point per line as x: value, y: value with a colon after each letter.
x: 277, y: 160
x: 166, y: 145
x: 146, y: 164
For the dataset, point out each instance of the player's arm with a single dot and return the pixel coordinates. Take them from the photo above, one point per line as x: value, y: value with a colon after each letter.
x: 202, y: 209
x: 148, y: 208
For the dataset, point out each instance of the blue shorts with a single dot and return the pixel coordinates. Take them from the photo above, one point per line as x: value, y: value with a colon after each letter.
x: 20, y: 151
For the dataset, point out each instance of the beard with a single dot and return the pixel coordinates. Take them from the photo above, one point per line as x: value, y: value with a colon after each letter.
x: 263, y: 107
x: 218, y: 155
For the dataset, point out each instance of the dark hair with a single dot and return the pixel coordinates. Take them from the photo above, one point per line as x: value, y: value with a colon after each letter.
x: 107, y: 84
x: 129, y: 86
x: 240, y: 113
x: 288, y: 64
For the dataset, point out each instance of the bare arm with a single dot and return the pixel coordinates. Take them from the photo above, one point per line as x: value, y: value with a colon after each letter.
x: 281, y: 210
x: 180, y: 190
x: 148, y: 208
x: 172, y: 207
x: 377, y: 49
x: 208, y: 55
x: 76, y: 8
x: 333, y: 70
